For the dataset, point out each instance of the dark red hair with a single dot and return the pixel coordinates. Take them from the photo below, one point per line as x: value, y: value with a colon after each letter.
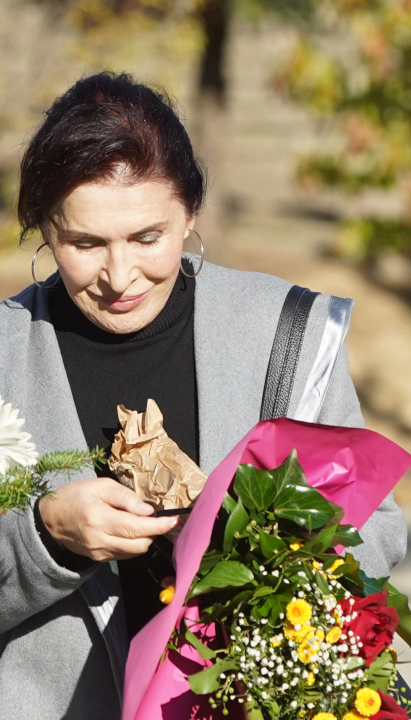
x: 101, y: 122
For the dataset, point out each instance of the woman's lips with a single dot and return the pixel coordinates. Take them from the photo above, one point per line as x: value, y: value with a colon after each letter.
x: 123, y: 304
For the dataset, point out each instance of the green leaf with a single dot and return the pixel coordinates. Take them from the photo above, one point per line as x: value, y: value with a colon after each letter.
x: 380, y: 671
x: 322, y: 584
x: 279, y: 559
x: 256, y: 488
x: 204, y: 652
x: 274, y: 709
x: 210, y: 560
x: 353, y: 663
x: 262, y: 591
x: 312, y: 696
x: 321, y: 542
x: 218, y: 611
x: 304, y: 505
x: 253, y: 712
x: 270, y: 545
x: 208, y: 681
x: 289, y: 473
x: 338, y: 513
x: 227, y: 573
x: 229, y: 503
x: 372, y: 585
x: 350, y: 570
x: 276, y: 609
x: 236, y: 523
x: 400, y: 603
x: 267, y: 606
x: 348, y: 536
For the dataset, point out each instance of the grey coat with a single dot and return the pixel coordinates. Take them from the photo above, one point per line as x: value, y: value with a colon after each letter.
x: 62, y: 647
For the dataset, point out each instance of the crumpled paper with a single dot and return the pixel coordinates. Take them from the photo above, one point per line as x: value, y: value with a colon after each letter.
x: 145, y: 459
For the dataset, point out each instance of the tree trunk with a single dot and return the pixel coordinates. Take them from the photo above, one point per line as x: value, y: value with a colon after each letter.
x: 214, y: 16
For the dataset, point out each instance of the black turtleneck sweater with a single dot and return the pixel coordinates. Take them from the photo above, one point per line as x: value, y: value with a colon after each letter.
x: 104, y: 370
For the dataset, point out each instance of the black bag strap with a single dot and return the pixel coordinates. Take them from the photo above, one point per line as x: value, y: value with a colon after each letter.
x: 285, y: 352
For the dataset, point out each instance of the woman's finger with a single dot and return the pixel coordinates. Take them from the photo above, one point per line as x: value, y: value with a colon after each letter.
x: 126, y: 525
x: 120, y: 549
x: 121, y: 497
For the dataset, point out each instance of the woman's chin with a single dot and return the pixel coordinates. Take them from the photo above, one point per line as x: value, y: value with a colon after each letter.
x: 118, y: 323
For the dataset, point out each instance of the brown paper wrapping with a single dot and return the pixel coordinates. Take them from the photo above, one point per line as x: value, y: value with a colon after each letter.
x: 145, y: 459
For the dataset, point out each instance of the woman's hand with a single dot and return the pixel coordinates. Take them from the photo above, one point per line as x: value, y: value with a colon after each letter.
x: 102, y: 519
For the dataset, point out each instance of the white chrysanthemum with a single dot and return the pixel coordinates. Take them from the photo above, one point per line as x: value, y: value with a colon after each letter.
x: 15, y: 448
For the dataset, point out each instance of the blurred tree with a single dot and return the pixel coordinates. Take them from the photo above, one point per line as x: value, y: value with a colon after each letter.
x: 351, y: 64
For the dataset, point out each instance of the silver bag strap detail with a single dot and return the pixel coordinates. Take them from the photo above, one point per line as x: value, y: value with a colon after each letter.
x: 335, y: 331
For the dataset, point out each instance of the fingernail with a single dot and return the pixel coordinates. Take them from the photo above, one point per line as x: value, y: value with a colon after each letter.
x: 174, y: 521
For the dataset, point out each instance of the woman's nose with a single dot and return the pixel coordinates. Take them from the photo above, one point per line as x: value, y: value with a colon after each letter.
x: 119, y: 269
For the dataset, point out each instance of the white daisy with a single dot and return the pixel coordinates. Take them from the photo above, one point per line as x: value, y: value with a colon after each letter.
x: 14, y: 446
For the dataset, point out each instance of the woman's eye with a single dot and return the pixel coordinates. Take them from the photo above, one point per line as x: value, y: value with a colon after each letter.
x: 84, y: 246
x: 149, y: 239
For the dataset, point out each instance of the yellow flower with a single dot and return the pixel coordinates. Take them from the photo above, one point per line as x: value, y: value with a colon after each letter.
x: 296, y: 546
x: 367, y: 702
x: 393, y: 653
x: 308, y: 649
x: 324, y: 716
x: 320, y: 634
x: 316, y: 565
x: 352, y: 715
x: 298, y: 612
x: 333, y: 635
x: 277, y: 640
x: 337, y: 617
x: 302, y: 713
x: 311, y: 679
x: 298, y: 635
x: 167, y: 595
x: 336, y: 564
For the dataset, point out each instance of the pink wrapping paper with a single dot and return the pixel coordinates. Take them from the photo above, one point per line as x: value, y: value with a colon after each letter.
x: 353, y: 468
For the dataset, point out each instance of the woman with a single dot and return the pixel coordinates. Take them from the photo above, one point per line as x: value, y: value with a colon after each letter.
x: 111, y: 181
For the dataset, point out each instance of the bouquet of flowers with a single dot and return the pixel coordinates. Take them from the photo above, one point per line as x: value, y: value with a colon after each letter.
x: 308, y: 633
x: 268, y: 620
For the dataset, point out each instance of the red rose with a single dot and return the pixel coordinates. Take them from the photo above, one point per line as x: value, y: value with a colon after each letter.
x: 375, y: 623
x: 390, y: 710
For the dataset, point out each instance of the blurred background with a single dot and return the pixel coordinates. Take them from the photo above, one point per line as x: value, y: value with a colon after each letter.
x: 302, y: 111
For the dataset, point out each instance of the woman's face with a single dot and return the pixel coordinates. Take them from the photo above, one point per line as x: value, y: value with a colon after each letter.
x: 118, y: 248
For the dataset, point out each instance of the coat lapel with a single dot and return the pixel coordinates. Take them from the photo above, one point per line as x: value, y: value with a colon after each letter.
x: 236, y: 315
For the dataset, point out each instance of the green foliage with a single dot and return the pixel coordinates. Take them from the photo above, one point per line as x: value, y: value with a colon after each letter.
x: 400, y: 603
x: 380, y: 672
x: 207, y: 681
x: 203, y: 650
x: 21, y: 485
x: 236, y: 523
x: 227, y: 573
x: 364, y: 94
x: 286, y: 489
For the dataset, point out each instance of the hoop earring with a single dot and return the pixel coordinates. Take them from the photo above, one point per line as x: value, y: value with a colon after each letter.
x: 33, y: 268
x: 201, y: 258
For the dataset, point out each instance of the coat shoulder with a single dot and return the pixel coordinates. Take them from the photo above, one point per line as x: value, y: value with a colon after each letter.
x: 239, y: 295
x: 25, y: 300
x: 242, y: 280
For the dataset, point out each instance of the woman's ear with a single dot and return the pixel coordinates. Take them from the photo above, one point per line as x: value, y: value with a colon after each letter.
x: 190, y: 225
